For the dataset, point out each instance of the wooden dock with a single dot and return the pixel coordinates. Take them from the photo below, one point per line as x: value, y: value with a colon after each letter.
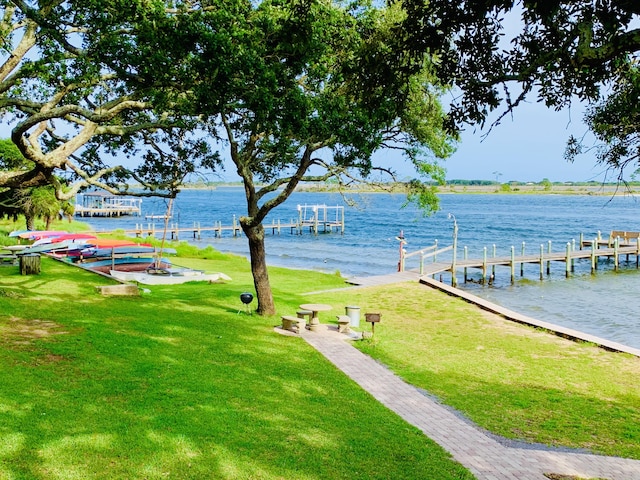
x: 320, y: 222
x: 95, y: 204
x: 614, y: 248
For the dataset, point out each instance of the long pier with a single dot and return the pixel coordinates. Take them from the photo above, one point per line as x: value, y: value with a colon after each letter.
x: 615, y: 247
x: 317, y: 223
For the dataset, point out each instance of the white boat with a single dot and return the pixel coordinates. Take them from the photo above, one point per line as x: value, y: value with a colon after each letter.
x: 168, y: 276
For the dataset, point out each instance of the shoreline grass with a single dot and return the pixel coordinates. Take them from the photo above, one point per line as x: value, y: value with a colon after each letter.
x: 177, y: 383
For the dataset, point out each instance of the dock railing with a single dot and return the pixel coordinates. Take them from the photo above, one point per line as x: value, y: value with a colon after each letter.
x: 423, y: 254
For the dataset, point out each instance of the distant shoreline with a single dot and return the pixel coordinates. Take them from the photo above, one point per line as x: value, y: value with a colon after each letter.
x: 494, y: 189
x: 497, y: 189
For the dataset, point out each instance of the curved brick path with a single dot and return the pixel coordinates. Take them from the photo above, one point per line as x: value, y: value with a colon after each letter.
x: 483, y: 456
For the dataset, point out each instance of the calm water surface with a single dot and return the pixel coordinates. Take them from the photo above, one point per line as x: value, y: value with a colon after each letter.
x: 606, y: 304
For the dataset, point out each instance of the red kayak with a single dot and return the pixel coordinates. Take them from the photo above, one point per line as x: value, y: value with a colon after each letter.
x: 112, y: 242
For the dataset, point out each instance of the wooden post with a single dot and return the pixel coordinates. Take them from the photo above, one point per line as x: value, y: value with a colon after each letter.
x: 541, y: 261
x: 573, y: 260
x: 454, y: 281
x: 466, y: 253
x: 30, y: 264
x: 402, y: 251
x: 493, y: 267
x: 315, y: 220
x: 568, y: 260
x: 522, y: 263
x: 581, y: 239
x: 484, y: 264
x: 594, y: 259
x: 616, y: 255
x: 549, y: 261
x: 513, y: 264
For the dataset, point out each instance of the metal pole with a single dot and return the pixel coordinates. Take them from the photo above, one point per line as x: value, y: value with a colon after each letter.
x: 455, y: 248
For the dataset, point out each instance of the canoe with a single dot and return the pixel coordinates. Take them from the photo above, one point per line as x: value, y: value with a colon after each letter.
x: 77, y: 236
x: 16, y: 233
x: 125, y: 264
x: 47, y: 247
x: 168, y: 276
x: 14, y: 248
x: 38, y: 234
x: 74, y: 237
x: 92, y: 252
x: 113, y: 242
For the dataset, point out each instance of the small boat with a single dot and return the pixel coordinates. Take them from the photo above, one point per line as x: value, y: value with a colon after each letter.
x: 17, y: 233
x: 114, y: 242
x: 14, y: 248
x: 46, y: 247
x: 168, y: 276
x: 74, y: 237
x: 38, y: 234
x: 92, y: 253
x: 123, y: 264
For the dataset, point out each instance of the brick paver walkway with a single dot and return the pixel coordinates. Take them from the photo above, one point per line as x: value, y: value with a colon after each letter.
x: 482, y: 455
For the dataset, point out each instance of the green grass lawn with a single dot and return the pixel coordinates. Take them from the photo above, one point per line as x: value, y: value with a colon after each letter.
x: 177, y: 384
x: 513, y: 380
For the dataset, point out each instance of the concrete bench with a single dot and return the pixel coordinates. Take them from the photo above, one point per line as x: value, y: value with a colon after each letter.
x: 293, y: 324
x: 118, y: 290
x: 304, y: 314
x: 343, y: 323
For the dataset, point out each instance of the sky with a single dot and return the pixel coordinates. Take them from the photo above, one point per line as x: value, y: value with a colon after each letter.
x: 528, y: 146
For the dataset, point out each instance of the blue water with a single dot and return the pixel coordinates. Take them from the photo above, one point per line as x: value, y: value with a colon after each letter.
x: 605, y: 304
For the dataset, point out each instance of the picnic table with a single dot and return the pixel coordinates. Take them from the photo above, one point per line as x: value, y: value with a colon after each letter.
x: 315, y: 308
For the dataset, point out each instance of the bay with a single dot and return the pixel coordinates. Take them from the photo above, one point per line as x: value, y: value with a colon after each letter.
x: 606, y: 304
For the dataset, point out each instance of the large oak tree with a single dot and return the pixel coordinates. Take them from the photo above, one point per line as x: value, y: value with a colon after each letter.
x: 314, y: 99
x: 74, y: 114
x: 497, y: 51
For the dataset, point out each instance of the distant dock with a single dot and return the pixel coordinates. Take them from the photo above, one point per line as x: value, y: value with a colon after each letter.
x: 95, y: 204
x: 312, y: 218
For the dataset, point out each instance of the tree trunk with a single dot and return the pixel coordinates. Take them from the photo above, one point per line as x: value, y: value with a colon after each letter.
x: 30, y: 222
x: 257, y: 253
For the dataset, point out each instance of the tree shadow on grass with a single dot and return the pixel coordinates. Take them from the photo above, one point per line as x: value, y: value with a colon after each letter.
x: 185, y: 387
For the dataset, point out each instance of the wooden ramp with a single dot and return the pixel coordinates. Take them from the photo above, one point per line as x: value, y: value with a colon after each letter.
x: 399, y: 277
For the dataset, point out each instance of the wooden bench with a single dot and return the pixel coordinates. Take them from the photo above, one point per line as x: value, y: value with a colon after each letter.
x: 8, y: 259
x: 625, y: 237
x: 293, y: 324
x: 343, y: 323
